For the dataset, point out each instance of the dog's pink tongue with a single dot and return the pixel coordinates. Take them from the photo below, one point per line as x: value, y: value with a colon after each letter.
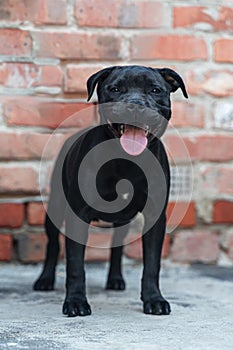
x: 133, y: 140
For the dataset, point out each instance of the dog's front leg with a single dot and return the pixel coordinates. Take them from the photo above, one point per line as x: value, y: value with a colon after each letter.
x: 153, y: 301
x: 75, y: 303
x: 115, y: 279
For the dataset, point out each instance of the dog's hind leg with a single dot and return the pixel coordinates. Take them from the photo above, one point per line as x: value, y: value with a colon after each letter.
x: 52, y: 227
x: 115, y: 279
x: 75, y: 303
x: 55, y: 215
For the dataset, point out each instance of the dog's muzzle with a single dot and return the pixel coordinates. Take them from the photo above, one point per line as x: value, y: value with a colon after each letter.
x: 135, y: 125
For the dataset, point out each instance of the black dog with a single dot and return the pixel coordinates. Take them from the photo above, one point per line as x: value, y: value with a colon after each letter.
x: 134, y: 106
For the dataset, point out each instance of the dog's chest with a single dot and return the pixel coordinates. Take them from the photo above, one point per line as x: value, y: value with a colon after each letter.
x: 121, y: 178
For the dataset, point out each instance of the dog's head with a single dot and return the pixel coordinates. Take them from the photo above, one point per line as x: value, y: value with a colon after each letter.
x: 135, y: 102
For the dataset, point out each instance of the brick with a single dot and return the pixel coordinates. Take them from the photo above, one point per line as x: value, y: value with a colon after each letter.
x: 18, y: 180
x: 11, y: 215
x: 31, y: 247
x: 199, y: 147
x: 76, y: 76
x: 46, y: 12
x: 40, y: 11
x: 181, y: 214
x: 47, y: 113
x: 223, y: 212
x: 35, y: 213
x: 206, y: 147
x: 6, y: 247
x: 187, y: 114
x: 217, y: 180
x: 203, y: 17
x: 27, y: 75
x: 230, y: 247
x: 90, y: 13
x: 223, y: 115
x: 195, y: 246
x: 124, y: 14
x: 15, y: 42
x: 168, y: 47
x: 98, y: 247
x: 213, y: 82
x: 77, y: 45
x: 26, y: 146
x: 14, y: 11
x: 141, y: 14
x: 223, y: 50
x: 133, y: 247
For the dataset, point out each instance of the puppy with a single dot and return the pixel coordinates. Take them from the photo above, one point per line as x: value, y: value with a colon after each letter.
x: 134, y: 107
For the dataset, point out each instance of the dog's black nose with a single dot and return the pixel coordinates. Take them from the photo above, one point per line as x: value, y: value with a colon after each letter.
x: 135, y: 106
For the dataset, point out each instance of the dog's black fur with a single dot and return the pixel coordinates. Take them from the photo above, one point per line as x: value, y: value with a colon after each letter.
x: 131, y: 94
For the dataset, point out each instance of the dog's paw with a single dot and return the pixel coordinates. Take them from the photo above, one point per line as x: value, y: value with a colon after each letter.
x: 115, y: 283
x: 159, y: 307
x: 44, y: 284
x: 75, y: 308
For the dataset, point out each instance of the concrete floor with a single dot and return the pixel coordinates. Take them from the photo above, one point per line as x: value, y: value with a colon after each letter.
x: 201, y: 298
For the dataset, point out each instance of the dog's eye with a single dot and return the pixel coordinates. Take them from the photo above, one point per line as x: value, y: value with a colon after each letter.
x: 156, y: 90
x: 115, y: 89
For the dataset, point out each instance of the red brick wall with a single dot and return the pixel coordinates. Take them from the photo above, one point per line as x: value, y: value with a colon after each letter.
x: 48, y: 49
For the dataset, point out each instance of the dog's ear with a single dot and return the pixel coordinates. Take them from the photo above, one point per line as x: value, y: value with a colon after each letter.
x: 174, y: 80
x: 94, y: 79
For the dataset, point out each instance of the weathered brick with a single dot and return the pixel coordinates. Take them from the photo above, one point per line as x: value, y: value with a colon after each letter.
x: 217, y: 180
x: 97, y: 13
x: 141, y: 14
x: 35, y: 213
x: 77, y: 75
x: 125, y: 14
x: 77, y: 45
x: 98, y: 247
x: 223, y: 212
x: 14, y: 11
x: 195, y: 246
x: 25, y: 146
x: 26, y: 75
x: 223, y: 115
x: 31, y: 247
x: 133, y: 246
x: 230, y: 247
x: 181, y: 214
x: 15, y: 42
x: 168, y: 47
x: 48, y: 12
x: 203, y: 17
x: 205, y: 147
x: 48, y: 113
x: 11, y: 215
x: 201, y: 147
x: 39, y: 12
x: 188, y: 114
x: 18, y: 180
x: 6, y: 247
x: 213, y: 82
x: 223, y: 50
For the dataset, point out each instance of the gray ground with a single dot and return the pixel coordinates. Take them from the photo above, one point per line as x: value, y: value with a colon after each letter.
x: 201, y: 300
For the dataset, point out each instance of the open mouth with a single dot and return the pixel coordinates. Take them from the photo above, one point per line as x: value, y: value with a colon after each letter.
x: 133, y: 139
